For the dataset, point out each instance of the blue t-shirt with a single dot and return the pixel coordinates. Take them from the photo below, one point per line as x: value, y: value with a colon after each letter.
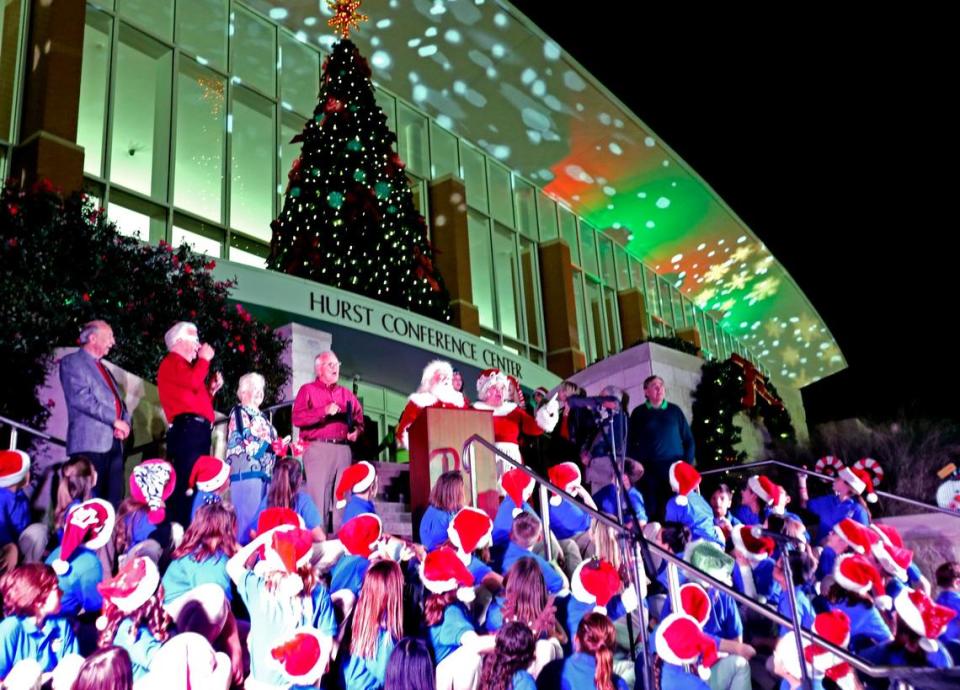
x: 551, y: 577
x: 746, y: 516
x: 767, y: 588
x: 358, y: 673
x: 578, y: 673
x: 826, y: 564
x: 830, y: 510
x: 724, y: 622
x: 606, y: 500
x: 697, y: 515
x: 20, y: 638
x: 478, y: 569
x: 433, y: 527
x: 357, y: 506
x: 79, y: 585
x: 494, y: 620
x: 445, y: 635
x: 867, y: 627
x: 805, y: 610
x: 348, y: 572
x: 183, y: 574
x: 951, y: 600
x: 675, y: 678
x: 273, y: 619
x: 503, y: 521
x: 139, y: 527
x: 14, y: 515
x: 522, y: 680
x: 888, y: 654
x: 140, y: 644
x: 570, y: 611
x: 567, y: 521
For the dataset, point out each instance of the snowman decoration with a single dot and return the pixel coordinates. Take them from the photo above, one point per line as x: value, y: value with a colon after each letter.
x: 948, y: 494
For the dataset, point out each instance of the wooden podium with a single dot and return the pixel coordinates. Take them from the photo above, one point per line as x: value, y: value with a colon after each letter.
x: 436, y: 439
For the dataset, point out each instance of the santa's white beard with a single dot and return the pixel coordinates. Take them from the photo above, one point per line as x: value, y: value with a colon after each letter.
x: 445, y: 392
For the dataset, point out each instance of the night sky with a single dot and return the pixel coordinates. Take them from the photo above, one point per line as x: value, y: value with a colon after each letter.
x: 828, y: 137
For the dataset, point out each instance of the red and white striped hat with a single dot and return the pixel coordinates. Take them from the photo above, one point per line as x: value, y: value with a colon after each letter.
x: 679, y: 640
x: 923, y: 615
x: 683, y: 479
x: 355, y: 479
x: 565, y: 476
x: 470, y: 529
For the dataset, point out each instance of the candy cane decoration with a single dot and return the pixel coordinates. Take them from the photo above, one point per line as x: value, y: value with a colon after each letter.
x: 872, y: 467
x: 829, y: 465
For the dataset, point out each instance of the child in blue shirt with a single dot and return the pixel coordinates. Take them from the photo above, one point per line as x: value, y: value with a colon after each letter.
x: 518, y: 487
x: 202, y: 556
x: 287, y: 491
x: 88, y: 526
x: 16, y: 532
x: 133, y: 616
x: 720, y: 500
x: 803, y: 565
x: 595, y: 643
x: 76, y: 484
x: 376, y: 628
x: 948, y: 580
x: 282, y: 593
x: 31, y: 627
x: 506, y: 667
x: 843, y: 502
x: 688, y: 507
x: 210, y: 479
x: 357, y: 486
x: 606, y: 497
x: 524, y: 535
x: 447, y: 497
x: 359, y: 537
x: 755, y: 499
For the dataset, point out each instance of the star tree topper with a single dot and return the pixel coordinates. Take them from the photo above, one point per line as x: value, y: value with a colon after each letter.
x: 346, y: 18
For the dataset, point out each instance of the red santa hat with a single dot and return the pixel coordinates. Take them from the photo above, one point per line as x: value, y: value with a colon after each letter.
x: 834, y: 627
x: 683, y: 479
x: 360, y: 534
x: 437, y: 366
x: 274, y: 517
x: 470, y: 529
x: 88, y: 524
x: 923, y: 615
x: 765, y: 489
x: 859, y: 480
x: 355, y: 479
x: 595, y: 581
x: 300, y: 655
x: 14, y: 466
x: 893, y: 559
x: 565, y: 476
x: 152, y: 482
x: 856, y: 573
x: 518, y: 485
x: 131, y: 587
x: 288, y: 550
x: 695, y: 602
x: 208, y: 474
x: 442, y: 571
x: 488, y: 379
x: 858, y: 537
x: 679, y: 640
x: 754, y: 549
x: 888, y: 534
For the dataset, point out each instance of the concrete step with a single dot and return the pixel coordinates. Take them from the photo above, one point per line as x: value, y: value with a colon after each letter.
x: 390, y: 507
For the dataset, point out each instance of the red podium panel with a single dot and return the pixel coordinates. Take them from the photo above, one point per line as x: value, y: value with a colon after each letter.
x: 436, y: 439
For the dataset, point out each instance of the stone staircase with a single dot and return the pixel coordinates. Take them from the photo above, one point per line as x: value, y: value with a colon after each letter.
x: 393, y: 498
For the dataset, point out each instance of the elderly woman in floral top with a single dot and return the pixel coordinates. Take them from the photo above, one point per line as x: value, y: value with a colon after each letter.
x: 250, y: 453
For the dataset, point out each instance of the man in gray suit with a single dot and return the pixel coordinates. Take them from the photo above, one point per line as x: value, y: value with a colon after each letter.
x: 98, y: 419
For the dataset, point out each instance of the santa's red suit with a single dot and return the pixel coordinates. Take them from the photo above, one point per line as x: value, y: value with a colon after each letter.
x: 509, y: 421
x: 448, y: 400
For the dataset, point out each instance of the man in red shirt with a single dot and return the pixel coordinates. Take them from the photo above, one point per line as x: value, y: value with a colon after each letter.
x: 187, y: 399
x: 329, y: 417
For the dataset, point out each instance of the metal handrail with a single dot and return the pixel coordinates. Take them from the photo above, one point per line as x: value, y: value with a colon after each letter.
x: 697, y: 574
x: 20, y: 426
x: 828, y: 478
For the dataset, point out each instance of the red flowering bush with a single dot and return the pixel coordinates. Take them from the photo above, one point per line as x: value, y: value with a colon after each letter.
x: 64, y: 263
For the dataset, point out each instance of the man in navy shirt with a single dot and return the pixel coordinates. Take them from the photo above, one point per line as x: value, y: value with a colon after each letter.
x: 658, y: 436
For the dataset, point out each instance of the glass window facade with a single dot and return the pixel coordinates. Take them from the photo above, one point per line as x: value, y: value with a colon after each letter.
x: 187, y: 111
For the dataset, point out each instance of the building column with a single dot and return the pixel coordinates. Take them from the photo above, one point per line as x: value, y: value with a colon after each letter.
x: 51, y: 96
x: 564, y: 356
x: 451, y: 240
x: 633, y: 316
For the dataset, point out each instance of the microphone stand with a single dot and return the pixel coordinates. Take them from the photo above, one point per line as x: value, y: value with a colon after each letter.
x: 630, y: 540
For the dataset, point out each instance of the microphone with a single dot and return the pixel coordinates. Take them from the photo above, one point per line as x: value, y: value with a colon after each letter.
x: 757, y: 532
x: 356, y: 383
x: 593, y: 402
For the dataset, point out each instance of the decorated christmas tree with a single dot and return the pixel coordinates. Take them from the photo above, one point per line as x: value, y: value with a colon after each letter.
x: 348, y: 219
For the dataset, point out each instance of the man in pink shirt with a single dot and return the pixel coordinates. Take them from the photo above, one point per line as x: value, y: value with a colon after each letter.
x: 329, y: 417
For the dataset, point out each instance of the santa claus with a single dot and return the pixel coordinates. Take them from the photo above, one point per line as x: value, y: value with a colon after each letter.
x: 510, y: 420
x: 436, y: 390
